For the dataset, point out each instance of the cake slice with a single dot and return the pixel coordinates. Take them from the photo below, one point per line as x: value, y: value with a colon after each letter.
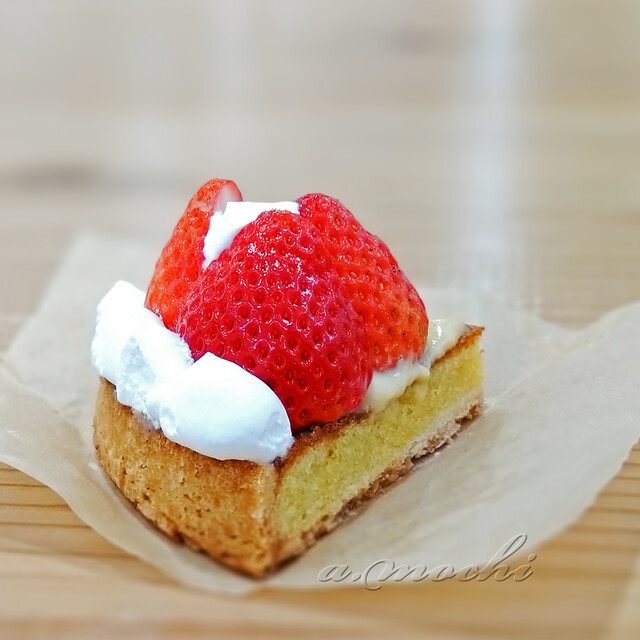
x: 246, y: 419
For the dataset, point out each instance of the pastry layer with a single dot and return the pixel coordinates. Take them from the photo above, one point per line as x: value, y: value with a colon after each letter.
x: 253, y: 517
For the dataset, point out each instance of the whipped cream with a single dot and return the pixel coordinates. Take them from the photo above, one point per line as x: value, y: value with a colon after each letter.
x: 133, y: 349
x: 391, y: 383
x: 442, y: 335
x: 213, y: 406
x: 220, y: 410
x: 225, y: 224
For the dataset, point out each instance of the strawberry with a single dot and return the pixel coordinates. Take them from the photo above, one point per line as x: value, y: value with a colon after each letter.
x: 391, y: 309
x: 273, y: 304
x: 181, y: 260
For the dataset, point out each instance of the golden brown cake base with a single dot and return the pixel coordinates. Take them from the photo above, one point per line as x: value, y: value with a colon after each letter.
x: 254, y: 517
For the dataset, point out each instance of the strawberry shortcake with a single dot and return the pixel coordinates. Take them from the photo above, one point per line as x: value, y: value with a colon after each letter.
x: 279, y: 370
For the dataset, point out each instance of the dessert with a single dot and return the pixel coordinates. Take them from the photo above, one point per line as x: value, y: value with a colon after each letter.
x: 279, y: 370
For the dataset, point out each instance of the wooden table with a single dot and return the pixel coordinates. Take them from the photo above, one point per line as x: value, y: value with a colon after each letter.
x: 494, y: 145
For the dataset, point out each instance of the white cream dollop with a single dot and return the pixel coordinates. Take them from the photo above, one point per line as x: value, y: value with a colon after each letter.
x: 133, y: 349
x: 213, y: 406
x: 225, y: 225
x: 220, y: 410
x: 391, y: 383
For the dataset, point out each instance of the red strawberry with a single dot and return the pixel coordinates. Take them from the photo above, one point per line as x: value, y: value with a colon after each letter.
x: 391, y: 309
x: 181, y: 260
x: 273, y: 304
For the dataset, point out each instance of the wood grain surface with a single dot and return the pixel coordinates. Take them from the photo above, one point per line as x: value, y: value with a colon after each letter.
x: 495, y: 145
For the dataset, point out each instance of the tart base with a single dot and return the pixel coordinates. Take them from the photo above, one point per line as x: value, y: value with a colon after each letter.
x: 254, y: 517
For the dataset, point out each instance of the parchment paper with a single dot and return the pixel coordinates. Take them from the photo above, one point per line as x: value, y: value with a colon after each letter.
x: 561, y: 416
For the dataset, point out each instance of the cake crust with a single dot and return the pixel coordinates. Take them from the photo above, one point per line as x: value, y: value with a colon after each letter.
x: 229, y: 508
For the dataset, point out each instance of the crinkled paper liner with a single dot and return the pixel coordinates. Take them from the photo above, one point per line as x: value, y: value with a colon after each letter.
x: 560, y: 418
